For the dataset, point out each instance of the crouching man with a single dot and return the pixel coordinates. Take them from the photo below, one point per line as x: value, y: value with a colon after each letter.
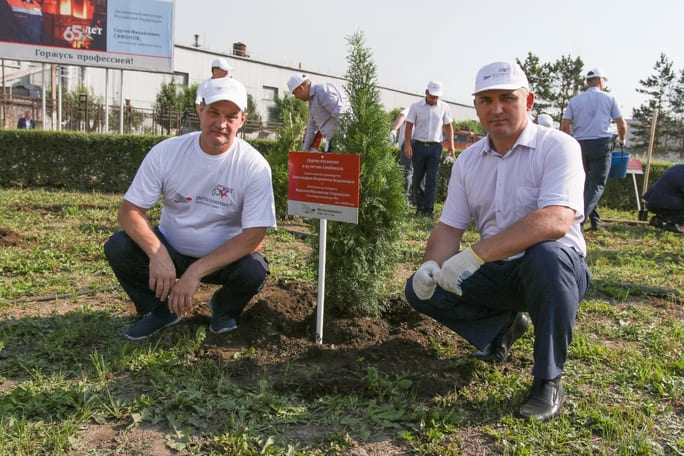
x: 217, y: 203
x: 522, y: 185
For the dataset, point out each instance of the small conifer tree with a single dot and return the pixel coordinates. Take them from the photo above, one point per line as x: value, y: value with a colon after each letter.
x: 362, y: 257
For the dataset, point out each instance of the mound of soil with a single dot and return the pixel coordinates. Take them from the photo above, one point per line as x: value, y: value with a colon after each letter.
x: 280, y: 327
x: 9, y: 238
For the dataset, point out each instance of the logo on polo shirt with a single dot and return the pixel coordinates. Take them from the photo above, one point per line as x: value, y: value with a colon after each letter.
x: 180, y: 199
x: 221, y: 191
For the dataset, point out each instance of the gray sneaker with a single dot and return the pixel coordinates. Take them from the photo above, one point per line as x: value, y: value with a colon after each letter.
x: 220, y: 322
x: 150, y: 324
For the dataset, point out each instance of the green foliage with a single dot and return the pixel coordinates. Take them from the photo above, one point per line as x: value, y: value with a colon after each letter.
x: 554, y: 83
x: 253, y: 118
x: 72, y: 160
x: 293, y: 115
x: 288, y: 110
x: 666, y: 94
x: 361, y: 257
x: 81, y: 161
x: 470, y: 125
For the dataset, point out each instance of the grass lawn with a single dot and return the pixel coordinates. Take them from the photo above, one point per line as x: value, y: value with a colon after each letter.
x: 396, y: 385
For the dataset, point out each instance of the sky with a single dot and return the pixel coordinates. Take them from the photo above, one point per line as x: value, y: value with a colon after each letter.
x: 414, y: 42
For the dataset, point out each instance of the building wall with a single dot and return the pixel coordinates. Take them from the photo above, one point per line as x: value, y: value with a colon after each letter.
x: 193, y: 65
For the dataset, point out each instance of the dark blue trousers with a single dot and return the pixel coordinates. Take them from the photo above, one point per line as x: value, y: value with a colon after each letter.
x: 596, y: 158
x: 548, y: 282
x: 426, y: 159
x: 240, y: 280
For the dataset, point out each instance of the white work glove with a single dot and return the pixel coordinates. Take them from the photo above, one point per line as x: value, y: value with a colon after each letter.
x: 425, y: 280
x: 393, y: 137
x: 458, y: 268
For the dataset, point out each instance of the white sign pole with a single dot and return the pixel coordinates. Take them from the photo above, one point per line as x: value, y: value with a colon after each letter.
x: 321, y: 280
x: 106, y: 119
x: 121, y: 102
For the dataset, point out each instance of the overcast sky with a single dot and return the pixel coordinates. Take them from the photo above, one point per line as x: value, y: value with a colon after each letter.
x: 413, y: 42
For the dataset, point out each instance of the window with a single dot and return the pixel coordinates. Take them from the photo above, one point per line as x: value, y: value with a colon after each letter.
x: 181, y: 79
x: 270, y: 93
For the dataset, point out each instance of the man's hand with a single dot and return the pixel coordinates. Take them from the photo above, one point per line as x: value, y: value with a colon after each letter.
x: 162, y: 274
x: 408, y: 150
x: 425, y: 280
x: 180, y: 298
x: 393, y: 136
x: 458, y: 268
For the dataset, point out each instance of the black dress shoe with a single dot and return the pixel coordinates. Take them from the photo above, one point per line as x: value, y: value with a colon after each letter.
x: 497, y: 351
x: 544, y: 399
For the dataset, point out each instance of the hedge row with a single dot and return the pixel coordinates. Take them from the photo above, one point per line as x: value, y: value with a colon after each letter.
x: 107, y: 163
x: 77, y: 161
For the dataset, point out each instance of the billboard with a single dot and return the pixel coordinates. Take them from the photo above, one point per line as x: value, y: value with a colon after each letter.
x: 122, y: 34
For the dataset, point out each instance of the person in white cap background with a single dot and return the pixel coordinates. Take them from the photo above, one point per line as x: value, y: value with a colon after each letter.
x: 522, y: 186
x: 219, y: 69
x: 427, y: 120
x: 544, y: 120
x: 327, y: 104
x: 217, y: 203
x: 590, y: 114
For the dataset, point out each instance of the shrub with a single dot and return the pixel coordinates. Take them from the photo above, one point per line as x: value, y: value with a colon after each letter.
x: 361, y: 257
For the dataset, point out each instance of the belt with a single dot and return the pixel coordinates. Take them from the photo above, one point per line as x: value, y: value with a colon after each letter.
x: 425, y: 143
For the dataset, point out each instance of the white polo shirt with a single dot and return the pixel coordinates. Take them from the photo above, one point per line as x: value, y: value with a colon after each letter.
x: 544, y: 168
x: 428, y: 120
x: 591, y: 112
x: 207, y: 199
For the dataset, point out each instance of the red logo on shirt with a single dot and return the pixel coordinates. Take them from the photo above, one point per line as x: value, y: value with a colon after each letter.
x: 221, y: 191
x: 178, y: 198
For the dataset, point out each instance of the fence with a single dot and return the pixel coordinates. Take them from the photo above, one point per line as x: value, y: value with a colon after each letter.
x: 87, y: 116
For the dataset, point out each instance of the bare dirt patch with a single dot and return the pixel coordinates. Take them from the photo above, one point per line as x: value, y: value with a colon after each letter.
x: 9, y: 238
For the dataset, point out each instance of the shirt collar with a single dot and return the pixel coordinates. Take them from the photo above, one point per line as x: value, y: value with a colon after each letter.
x: 527, y: 139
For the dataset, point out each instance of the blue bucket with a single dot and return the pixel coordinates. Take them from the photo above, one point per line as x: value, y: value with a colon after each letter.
x: 618, y: 165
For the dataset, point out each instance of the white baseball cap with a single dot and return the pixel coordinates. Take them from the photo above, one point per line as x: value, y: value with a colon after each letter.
x: 295, y: 81
x: 596, y: 73
x: 221, y: 63
x: 226, y: 89
x: 545, y: 120
x: 500, y: 76
x: 434, y: 88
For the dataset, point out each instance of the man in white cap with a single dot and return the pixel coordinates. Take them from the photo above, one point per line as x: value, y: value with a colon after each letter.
x: 327, y: 104
x: 590, y: 114
x: 522, y: 186
x: 425, y: 121
x: 219, y: 69
x: 217, y: 203
x: 544, y: 120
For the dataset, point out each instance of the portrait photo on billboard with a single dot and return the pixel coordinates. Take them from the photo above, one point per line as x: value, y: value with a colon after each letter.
x: 124, y: 34
x: 73, y: 24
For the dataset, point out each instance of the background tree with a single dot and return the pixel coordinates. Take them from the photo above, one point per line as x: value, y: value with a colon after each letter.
x: 554, y: 83
x: 291, y: 114
x: 288, y: 108
x: 253, y: 122
x: 538, y: 77
x: 362, y: 257
x: 173, y: 101
x: 664, y: 94
x: 677, y: 103
x: 470, y: 125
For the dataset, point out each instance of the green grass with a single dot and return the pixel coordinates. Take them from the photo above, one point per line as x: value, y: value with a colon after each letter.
x: 65, y: 374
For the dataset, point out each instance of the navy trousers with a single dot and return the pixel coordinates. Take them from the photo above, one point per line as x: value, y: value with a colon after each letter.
x: 426, y: 159
x: 596, y: 158
x: 240, y: 280
x: 548, y: 282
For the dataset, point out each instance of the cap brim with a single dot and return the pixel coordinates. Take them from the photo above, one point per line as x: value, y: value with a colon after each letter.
x: 501, y: 87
